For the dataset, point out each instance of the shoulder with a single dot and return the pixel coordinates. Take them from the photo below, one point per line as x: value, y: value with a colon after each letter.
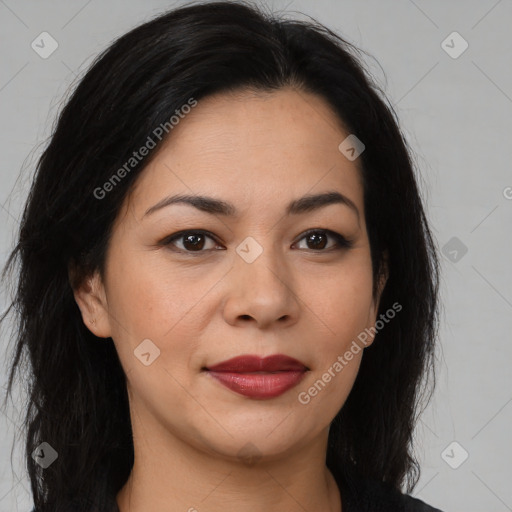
x: 379, y: 496
x: 363, y: 495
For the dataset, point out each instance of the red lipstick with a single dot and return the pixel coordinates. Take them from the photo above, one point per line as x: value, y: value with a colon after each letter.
x: 257, y: 377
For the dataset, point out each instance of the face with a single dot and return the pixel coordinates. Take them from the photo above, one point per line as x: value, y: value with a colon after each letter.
x: 260, y: 272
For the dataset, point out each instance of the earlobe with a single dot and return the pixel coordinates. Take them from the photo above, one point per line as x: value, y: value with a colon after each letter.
x: 91, y: 299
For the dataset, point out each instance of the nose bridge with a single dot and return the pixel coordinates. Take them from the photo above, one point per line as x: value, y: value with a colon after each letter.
x: 262, y: 287
x: 260, y: 263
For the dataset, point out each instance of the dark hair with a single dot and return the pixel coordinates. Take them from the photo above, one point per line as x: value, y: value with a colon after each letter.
x: 77, y: 390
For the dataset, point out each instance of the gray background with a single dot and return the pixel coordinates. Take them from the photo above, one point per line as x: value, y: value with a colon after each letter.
x: 455, y: 113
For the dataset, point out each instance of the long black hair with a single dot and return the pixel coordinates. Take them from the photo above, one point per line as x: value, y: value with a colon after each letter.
x: 77, y: 390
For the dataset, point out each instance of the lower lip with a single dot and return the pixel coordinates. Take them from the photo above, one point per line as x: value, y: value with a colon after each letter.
x: 259, y: 385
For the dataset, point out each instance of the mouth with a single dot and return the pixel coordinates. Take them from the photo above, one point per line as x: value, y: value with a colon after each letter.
x: 259, y: 378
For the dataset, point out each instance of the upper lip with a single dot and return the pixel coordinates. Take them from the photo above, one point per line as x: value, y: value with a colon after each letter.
x: 252, y: 363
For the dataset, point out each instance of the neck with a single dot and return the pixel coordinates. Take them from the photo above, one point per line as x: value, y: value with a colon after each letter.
x: 171, y: 475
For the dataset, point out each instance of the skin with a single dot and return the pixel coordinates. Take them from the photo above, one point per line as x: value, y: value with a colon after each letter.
x: 258, y: 152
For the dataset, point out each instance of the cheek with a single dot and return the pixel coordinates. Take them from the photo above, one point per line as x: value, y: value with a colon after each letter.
x: 150, y: 300
x: 325, y: 392
x: 147, y: 295
x: 340, y: 303
x: 344, y: 309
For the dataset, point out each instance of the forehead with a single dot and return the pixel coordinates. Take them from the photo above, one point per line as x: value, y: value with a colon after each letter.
x: 249, y: 146
x: 248, y: 122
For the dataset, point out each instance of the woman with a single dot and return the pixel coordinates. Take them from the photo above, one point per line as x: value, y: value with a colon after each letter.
x: 227, y: 285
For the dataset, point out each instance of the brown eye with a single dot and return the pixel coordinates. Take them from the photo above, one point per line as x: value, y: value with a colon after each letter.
x: 198, y: 241
x: 317, y: 240
x: 191, y: 241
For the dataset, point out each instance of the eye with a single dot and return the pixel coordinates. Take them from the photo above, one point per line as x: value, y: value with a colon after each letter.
x: 317, y: 240
x: 190, y: 241
x: 197, y: 241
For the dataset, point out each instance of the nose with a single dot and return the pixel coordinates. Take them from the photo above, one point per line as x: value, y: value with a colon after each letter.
x: 262, y: 293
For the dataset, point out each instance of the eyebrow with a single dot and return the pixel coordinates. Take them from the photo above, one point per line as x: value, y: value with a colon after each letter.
x: 219, y: 207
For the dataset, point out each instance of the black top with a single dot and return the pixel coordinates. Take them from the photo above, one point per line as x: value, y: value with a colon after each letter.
x: 363, y: 495
x: 357, y: 494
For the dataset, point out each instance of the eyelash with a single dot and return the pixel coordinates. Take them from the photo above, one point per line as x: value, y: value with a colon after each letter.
x: 341, y: 241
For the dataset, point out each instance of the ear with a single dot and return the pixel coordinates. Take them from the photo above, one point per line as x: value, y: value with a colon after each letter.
x: 382, y: 280
x: 91, y: 298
